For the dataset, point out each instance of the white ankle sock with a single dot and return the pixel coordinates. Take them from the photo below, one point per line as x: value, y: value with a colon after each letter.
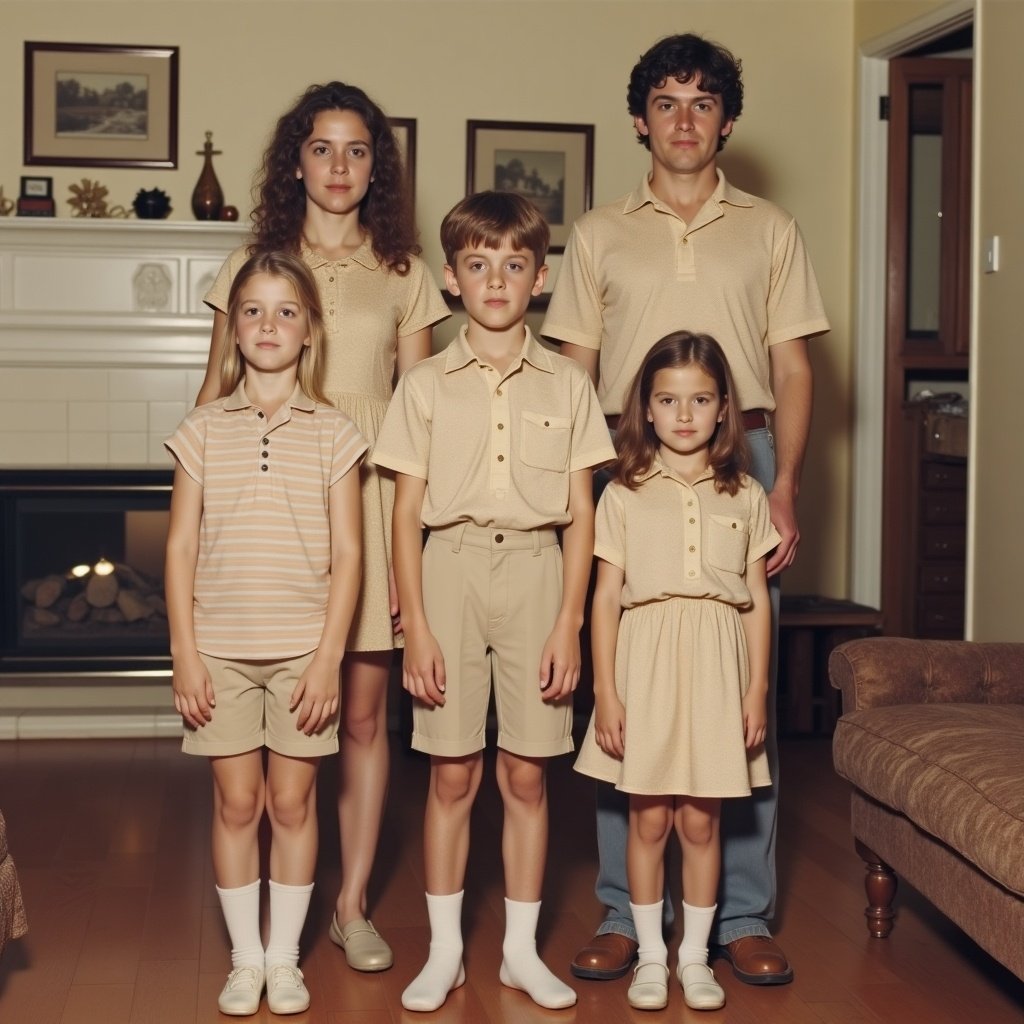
x: 649, y: 936
x: 696, y: 930
x: 241, y: 910
x: 443, y: 970
x: 521, y: 967
x: 288, y: 906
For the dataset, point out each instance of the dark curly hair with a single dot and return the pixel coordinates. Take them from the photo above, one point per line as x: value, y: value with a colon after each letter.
x: 636, y: 441
x: 386, y: 210
x: 687, y: 58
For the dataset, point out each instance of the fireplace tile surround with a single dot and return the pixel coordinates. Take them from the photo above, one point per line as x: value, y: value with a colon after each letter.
x: 103, y: 344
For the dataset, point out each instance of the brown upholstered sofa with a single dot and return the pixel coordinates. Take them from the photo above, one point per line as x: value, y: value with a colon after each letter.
x: 932, y: 739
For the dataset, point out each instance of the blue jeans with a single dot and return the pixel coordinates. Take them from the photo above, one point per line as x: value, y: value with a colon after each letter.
x: 746, y: 897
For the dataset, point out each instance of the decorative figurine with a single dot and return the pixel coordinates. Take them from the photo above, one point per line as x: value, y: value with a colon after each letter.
x: 151, y: 204
x: 89, y: 199
x: 207, y: 198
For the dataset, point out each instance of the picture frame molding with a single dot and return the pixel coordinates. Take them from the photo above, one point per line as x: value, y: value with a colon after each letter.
x: 44, y: 148
x: 579, y: 191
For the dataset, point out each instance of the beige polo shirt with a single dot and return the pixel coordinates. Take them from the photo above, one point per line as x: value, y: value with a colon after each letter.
x: 496, y: 449
x: 674, y: 539
x: 634, y: 271
x: 265, y: 542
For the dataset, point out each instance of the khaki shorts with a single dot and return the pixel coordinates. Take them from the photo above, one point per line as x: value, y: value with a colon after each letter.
x: 252, y: 711
x: 491, y: 598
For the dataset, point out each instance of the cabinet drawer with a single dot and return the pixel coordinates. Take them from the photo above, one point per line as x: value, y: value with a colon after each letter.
x: 944, y: 507
x: 944, y: 475
x: 941, y: 578
x: 943, y: 541
x: 940, y: 614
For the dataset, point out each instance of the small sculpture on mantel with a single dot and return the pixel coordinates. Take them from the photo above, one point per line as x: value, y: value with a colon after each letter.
x: 6, y: 205
x: 207, y: 197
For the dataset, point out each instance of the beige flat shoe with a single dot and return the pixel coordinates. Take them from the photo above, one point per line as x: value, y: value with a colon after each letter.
x: 365, y: 950
x: 700, y: 990
x: 649, y: 990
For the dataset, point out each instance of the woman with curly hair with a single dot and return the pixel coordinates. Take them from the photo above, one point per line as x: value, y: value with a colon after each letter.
x: 332, y: 188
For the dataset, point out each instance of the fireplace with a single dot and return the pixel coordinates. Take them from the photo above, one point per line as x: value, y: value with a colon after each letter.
x: 81, y: 570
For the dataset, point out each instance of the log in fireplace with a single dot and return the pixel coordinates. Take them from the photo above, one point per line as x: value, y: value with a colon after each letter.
x: 81, y: 570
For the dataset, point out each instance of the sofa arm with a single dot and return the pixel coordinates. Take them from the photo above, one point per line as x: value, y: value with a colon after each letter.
x: 878, y: 671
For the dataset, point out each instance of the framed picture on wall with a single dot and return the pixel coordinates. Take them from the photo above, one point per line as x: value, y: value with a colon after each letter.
x: 550, y: 164
x: 405, y: 134
x: 90, y: 105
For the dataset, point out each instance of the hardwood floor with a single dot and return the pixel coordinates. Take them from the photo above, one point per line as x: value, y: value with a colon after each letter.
x: 111, y: 843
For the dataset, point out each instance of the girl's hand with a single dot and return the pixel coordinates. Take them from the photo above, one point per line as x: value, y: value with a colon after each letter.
x: 423, y: 672
x: 610, y: 726
x: 755, y: 717
x: 560, y: 663
x: 193, y: 690
x: 396, y: 612
x: 316, y: 695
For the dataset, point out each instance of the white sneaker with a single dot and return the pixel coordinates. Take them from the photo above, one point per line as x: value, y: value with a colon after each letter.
x: 286, y: 992
x: 240, y: 996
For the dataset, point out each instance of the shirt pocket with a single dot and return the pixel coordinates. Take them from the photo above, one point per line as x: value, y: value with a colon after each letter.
x: 546, y: 441
x: 727, y: 543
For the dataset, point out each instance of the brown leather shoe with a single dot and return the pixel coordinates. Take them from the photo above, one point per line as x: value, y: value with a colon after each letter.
x: 605, y: 957
x: 757, y: 960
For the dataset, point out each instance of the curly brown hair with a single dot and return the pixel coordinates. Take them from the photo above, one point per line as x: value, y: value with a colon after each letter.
x: 635, y: 439
x: 386, y: 210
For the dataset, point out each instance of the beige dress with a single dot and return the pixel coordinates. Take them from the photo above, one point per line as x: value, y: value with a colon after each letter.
x: 681, y: 658
x: 366, y: 310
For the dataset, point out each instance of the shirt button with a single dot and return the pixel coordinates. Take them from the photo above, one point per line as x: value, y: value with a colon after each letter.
x: 498, y: 538
x: 501, y: 458
x: 734, y: 526
x: 689, y: 504
x: 265, y: 455
x: 686, y: 241
x: 264, y: 467
x: 498, y: 392
x: 692, y: 520
x: 330, y: 279
x: 259, y: 415
x: 501, y: 426
x: 693, y: 548
x: 692, y: 572
x: 266, y: 440
x: 547, y: 423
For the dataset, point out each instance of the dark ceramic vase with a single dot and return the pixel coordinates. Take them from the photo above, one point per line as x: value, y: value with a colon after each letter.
x: 207, y: 197
x: 151, y: 204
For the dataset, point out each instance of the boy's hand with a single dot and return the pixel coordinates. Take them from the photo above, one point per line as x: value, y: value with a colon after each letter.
x: 396, y: 611
x: 560, y: 662
x: 316, y: 695
x: 755, y: 716
x: 193, y: 690
x: 610, y: 726
x: 423, y: 672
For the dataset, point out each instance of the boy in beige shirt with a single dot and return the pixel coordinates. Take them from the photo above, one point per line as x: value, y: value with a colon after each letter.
x: 493, y: 442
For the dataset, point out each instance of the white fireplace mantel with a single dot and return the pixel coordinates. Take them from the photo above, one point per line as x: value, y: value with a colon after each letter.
x: 119, y: 293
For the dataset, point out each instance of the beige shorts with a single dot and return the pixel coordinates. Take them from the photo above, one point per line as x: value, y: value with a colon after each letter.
x: 491, y: 598
x: 252, y: 711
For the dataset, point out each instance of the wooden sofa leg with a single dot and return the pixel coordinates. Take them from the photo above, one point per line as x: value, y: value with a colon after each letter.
x: 880, y: 886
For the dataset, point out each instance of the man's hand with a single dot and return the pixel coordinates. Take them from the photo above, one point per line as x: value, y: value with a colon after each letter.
x: 782, y: 510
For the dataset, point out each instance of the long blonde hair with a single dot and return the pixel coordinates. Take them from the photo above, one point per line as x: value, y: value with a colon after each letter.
x: 298, y: 275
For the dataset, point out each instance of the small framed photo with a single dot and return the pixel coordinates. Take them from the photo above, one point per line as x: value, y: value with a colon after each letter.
x: 91, y: 105
x: 36, y: 188
x: 405, y: 135
x: 550, y: 164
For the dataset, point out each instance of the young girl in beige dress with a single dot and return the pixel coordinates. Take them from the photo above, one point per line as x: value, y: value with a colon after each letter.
x: 332, y: 189
x: 680, y: 635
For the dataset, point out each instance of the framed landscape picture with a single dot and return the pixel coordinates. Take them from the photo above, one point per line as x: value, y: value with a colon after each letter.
x: 405, y: 134
x: 550, y: 164
x: 90, y: 105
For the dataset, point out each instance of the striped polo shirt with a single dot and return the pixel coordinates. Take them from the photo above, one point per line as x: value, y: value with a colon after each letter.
x: 264, y: 565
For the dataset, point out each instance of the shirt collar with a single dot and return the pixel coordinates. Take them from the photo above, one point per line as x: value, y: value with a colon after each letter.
x: 364, y: 256
x: 238, y: 399
x: 460, y: 354
x: 724, y: 193
x: 658, y: 468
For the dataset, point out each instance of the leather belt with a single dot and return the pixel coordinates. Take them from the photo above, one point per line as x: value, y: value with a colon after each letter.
x: 753, y: 419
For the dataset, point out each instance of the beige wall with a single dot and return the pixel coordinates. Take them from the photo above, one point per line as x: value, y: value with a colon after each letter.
x: 443, y: 62
x: 996, y: 561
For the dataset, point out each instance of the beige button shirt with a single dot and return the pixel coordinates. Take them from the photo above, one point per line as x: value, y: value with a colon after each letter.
x: 634, y: 271
x: 496, y: 449
x: 674, y: 539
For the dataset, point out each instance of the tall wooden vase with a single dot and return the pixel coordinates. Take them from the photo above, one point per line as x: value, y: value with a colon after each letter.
x: 207, y: 197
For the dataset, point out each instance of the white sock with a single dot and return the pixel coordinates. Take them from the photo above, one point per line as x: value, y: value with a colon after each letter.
x: 443, y: 970
x: 647, y: 918
x: 241, y: 910
x: 696, y: 930
x: 288, y: 906
x: 521, y: 967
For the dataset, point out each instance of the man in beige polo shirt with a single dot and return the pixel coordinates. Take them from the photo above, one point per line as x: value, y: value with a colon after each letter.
x: 687, y: 250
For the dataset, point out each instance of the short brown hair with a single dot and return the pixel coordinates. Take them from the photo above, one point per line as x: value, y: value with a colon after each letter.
x: 300, y: 277
x: 487, y: 218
